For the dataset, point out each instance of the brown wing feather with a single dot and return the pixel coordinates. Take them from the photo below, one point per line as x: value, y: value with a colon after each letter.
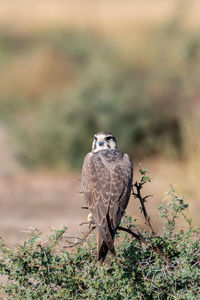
x: 107, y: 180
x: 96, y: 187
x: 120, y: 191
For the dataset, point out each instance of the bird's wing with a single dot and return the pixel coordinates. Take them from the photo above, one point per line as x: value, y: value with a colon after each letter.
x: 107, y: 190
x: 96, y: 182
x: 120, y: 190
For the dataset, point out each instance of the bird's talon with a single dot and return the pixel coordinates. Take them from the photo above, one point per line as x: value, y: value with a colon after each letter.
x: 89, y: 217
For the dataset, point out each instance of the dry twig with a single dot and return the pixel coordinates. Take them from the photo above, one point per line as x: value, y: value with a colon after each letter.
x: 80, y: 240
x: 138, y: 195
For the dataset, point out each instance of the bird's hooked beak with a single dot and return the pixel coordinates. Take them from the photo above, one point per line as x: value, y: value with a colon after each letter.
x: 101, y: 142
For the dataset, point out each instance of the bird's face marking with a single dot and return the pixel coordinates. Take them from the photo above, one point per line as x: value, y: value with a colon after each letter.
x: 104, y: 141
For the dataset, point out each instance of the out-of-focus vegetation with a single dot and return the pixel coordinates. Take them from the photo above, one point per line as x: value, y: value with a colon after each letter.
x: 58, y: 88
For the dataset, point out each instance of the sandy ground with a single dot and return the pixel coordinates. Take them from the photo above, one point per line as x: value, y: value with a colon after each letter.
x: 39, y: 201
x: 35, y: 199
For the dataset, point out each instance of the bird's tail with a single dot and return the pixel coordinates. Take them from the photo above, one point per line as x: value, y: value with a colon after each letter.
x: 103, y: 249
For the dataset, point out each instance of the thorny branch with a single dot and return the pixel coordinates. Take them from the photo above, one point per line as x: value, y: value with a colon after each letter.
x: 84, y: 207
x: 138, y: 195
x: 128, y: 230
x: 71, y: 244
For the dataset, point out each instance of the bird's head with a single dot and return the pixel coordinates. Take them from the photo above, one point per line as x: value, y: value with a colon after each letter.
x: 103, y: 141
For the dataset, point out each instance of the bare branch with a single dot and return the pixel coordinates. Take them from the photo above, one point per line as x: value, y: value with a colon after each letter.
x: 144, y: 198
x: 128, y: 230
x: 129, y: 225
x: 138, y: 195
x: 80, y: 240
x: 84, y: 223
x: 84, y: 207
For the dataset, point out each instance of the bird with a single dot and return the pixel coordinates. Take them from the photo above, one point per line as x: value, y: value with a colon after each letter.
x: 107, y: 176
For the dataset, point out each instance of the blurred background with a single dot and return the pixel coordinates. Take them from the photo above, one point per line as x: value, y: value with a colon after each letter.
x: 71, y: 68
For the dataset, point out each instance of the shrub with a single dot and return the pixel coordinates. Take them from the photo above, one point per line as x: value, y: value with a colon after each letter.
x: 164, y: 266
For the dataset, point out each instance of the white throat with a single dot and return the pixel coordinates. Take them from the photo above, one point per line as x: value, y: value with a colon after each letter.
x: 98, y: 148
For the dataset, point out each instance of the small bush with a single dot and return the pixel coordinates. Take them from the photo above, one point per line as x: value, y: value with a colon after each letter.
x: 164, y: 266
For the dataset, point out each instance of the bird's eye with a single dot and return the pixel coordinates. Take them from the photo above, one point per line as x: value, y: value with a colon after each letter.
x: 95, y: 138
x: 108, y: 138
